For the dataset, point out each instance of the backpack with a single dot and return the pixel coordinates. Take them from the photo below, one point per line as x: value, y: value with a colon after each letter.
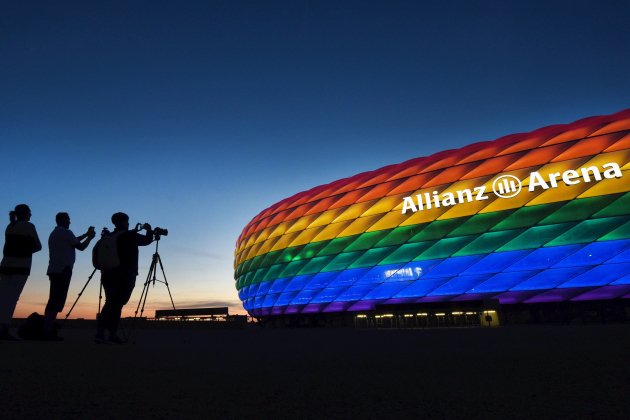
x: 105, y: 252
x: 33, y: 328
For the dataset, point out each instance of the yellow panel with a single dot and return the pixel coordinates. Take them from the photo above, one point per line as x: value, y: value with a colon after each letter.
x: 561, y: 193
x: 267, y: 245
x: 252, y: 251
x: 325, y: 218
x: 280, y: 229
x: 609, y: 186
x: 468, y: 209
x: 263, y: 235
x: 359, y: 225
x: 621, y: 157
x: 331, y: 231
x: 553, y: 167
x: 284, y: 241
x: 353, y: 211
x: 306, y: 236
x: 389, y: 221
x: 424, y: 216
x: 302, y: 223
x: 510, y: 203
x: 385, y: 204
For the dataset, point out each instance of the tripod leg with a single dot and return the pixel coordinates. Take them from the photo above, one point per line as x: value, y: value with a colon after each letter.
x: 165, y: 281
x: 145, y: 289
x: 100, y: 298
x: 80, y: 293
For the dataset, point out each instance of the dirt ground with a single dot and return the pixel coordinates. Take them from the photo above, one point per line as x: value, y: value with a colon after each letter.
x: 509, y: 372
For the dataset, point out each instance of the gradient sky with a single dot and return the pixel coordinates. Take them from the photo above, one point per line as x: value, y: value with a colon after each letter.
x: 197, y: 115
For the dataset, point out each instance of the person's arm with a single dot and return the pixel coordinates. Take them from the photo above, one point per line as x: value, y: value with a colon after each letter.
x: 147, y: 238
x: 37, y: 245
x: 82, y: 241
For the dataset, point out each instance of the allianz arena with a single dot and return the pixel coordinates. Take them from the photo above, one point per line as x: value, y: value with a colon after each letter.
x: 527, y: 219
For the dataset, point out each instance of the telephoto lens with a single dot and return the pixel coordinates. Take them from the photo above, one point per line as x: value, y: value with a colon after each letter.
x: 160, y: 232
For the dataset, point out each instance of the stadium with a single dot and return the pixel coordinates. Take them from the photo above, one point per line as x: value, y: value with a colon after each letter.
x: 528, y: 227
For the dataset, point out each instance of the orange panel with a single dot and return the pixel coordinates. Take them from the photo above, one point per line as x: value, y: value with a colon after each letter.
x: 587, y: 147
x: 298, y: 211
x: 574, y: 134
x: 487, y: 151
x: 619, y: 125
x: 415, y: 167
x: 321, y: 205
x: 347, y: 199
x: 450, y: 175
x: 537, y: 157
x: 412, y: 183
x: 379, y: 191
x: 492, y: 166
x: 622, y: 144
x: 525, y: 144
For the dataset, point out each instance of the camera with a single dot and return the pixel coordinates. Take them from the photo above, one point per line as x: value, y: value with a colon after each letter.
x: 158, y: 231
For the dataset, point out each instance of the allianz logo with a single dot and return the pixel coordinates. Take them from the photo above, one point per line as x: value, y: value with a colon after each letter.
x: 508, y: 186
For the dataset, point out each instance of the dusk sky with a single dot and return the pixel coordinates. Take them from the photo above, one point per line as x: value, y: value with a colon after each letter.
x: 196, y: 115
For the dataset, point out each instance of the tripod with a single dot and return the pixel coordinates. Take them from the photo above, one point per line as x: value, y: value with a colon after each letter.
x: 100, y: 296
x: 152, y: 278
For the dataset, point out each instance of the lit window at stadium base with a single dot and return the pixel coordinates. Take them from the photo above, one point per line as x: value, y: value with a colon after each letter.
x: 535, y: 217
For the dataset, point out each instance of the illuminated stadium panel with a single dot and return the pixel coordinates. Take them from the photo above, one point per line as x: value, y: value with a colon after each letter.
x: 446, y: 227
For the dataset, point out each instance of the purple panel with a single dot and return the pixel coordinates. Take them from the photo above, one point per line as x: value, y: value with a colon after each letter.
x: 473, y: 296
x: 277, y: 310
x: 313, y: 308
x: 605, y: 292
x: 434, y: 299
x: 293, y: 309
x: 556, y: 295
x: 364, y: 305
x: 514, y: 297
x: 399, y: 301
x: 337, y: 307
x: 265, y: 311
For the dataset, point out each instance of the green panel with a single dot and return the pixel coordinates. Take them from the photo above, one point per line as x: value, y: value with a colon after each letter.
x: 342, y: 261
x: 256, y: 263
x: 488, y: 242
x: 288, y: 254
x: 536, y: 237
x: 399, y: 235
x: 437, y: 229
x: 622, y: 232
x: 588, y: 231
x: 444, y: 248
x: 309, y: 250
x: 372, y: 257
x: 479, y: 223
x: 273, y: 272
x: 316, y: 265
x: 337, y: 245
x: 239, y: 282
x: 577, y: 210
x: 269, y: 258
x: 259, y: 275
x: 293, y: 268
x: 526, y: 216
x: 407, y: 252
x: 367, y: 240
x: 248, y: 279
x: 618, y: 208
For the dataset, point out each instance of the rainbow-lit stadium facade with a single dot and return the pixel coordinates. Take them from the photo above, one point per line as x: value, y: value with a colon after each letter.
x: 445, y: 228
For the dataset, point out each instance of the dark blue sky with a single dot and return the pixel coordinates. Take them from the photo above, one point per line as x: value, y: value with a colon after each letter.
x: 197, y: 115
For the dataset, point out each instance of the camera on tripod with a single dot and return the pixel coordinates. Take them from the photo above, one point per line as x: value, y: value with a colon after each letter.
x: 157, y: 231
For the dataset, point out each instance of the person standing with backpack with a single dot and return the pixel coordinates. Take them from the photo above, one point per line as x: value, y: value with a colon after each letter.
x: 62, y: 245
x: 21, y: 242
x: 118, y: 276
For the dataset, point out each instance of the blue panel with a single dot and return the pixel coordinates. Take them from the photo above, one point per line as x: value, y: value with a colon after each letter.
x: 453, y: 266
x: 279, y: 285
x: 495, y: 263
x: 387, y: 290
x: 349, y: 277
x: 270, y: 299
x: 298, y: 283
x: 304, y: 297
x: 543, y: 258
x: 258, y: 302
x: 253, y: 289
x: 621, y: 258
x: 263, y: 288
x: 248, y: 304
x: 421, y: 287
x: 243, y: 293
x: 599, y: 276
x: 285, y: 298
x: 413, y: 270
x: 594, y: 253
x: 550, y: 278
x: 321, y: 280
x: 460, y: 284
x: 328, y: 294
x: 355, y: 292
x: 379, y: 274
x: 502, y: 282
x: 623, y: 280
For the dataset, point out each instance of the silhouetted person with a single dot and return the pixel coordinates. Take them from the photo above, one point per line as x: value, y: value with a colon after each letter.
x: 120, y: 281
x: 62, y: 245
x: 21, y: 242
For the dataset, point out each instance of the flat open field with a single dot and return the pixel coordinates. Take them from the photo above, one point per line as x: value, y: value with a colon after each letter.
x: 510, y: 372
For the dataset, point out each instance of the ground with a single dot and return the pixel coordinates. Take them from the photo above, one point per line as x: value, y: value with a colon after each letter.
x: 508, y: 372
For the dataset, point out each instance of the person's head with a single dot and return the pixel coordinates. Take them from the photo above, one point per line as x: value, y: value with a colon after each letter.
x: 63, y: 219
x: 121, y: 221
x: 21, y: 213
